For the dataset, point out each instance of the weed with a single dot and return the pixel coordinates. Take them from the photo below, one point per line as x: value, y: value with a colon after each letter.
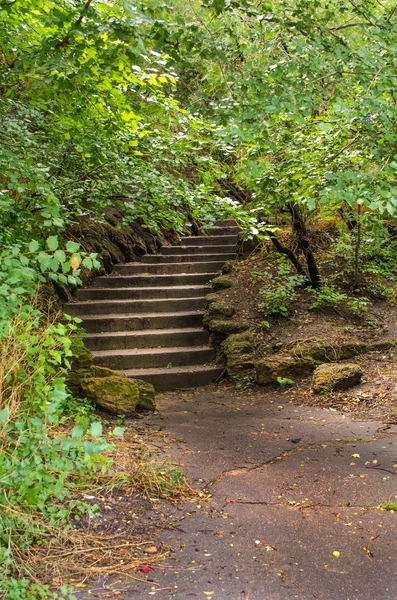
x: 280, y: 289
x: 284, y: 381
x: 330, y: 296
x: 390, y: 506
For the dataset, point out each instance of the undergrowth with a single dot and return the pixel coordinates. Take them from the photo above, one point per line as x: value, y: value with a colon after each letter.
x: 51, y: 450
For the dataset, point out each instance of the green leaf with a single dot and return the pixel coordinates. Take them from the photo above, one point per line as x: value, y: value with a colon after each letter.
x: 96, y: 429
x: 72, y: 246
x: 52, y: 242
x: 34, y: 246
x: 118, y: 431
x: 4, y: 415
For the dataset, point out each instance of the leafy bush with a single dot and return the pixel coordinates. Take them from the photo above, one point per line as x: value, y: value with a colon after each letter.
x: 40, y: 463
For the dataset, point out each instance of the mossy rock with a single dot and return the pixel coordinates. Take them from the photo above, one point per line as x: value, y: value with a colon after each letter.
x: 117, y: 393
x: 239, y: 343
x: 223, y: 282
x: 146, y: 394
x: 381, y: 346
x: 227, y: 267
x: 238, y: 349
x: 281, y: 365
x: 110, y: 390
x: 218, y: 310
x: 336, y: 376
x: 210, y: 298
x: 320, y: 350
x: 227, y: 327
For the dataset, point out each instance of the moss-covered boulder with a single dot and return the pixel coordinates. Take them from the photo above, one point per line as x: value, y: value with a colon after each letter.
x: 320, y: 350
x: 218, y: 310
x: 110, y: 390
x: 270, y: 368
x: 221, y: 283
x: 224, y: 327
x: 336, y: 376
x: 238, y: 349
x: 115, y: 393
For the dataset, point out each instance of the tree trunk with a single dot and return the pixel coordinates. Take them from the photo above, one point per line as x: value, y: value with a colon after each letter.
x: 284, y: 250
x: 299, y: 226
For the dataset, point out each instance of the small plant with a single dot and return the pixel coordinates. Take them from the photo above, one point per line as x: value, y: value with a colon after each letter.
x: 390, y: 506
x: 284, y: 381
x: 264, y: 324
x: 329, y: 295
x: 280, y: 289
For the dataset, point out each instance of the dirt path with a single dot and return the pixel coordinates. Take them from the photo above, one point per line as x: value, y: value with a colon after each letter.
x: 294, y: 509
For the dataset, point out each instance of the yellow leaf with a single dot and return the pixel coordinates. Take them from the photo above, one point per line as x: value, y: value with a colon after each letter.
x: 75, y: 263
x: 336, y: 553
x: 355, y: 456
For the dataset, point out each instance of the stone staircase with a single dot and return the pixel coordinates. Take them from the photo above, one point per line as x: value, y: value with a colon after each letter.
x: 145, y: 319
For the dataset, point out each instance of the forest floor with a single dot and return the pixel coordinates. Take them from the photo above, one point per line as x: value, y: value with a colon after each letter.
x: 290, y: 504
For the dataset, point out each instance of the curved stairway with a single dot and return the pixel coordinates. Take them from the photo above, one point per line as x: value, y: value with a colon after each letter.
x: 145, y: 319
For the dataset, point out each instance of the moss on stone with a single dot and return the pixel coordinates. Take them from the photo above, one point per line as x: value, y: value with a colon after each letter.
x: 281, y: 365
x: 218, y: 310
x: 227, y: 267
x: 114, y: 394
x: 221, y: 283
x: 336, y: 376
x: 146, y: 394
x: 239, y: 343
x: 110, y: 390
x: 210, y: 298
x: 381, y: 346
x: 227, y: 327
x: 238, y: 349
x: 320, y: 350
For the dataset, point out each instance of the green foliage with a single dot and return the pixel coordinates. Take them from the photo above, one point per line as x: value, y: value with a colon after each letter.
x: 378, y: 250
x: 329, y: 295
x: 279, y: 289
x: 284, y: 381
x: 40, y: 464
x: 390, y: 506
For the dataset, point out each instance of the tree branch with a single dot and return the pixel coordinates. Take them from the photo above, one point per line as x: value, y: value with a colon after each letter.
x: 284, y: 250
x: 66, y: 39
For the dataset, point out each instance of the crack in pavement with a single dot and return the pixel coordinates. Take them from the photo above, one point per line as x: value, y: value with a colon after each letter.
x: 286, y: 454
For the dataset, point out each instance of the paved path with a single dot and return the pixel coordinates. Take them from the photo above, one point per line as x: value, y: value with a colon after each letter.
x: 288, y: 495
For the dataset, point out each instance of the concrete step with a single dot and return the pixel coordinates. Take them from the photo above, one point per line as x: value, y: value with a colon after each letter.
x: 178, y: 279
x: 131, y: 293
x: 209, y: 240
x: 169, y: 269
x: 130, y: 322
x: 146, y: 358
x: 205, y: 249
x: 225, y: 223
x: 223, y: 230
x: 154, y: 305
x: 176, y: 378
x: 153, y: 338
x: 186, y: 258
